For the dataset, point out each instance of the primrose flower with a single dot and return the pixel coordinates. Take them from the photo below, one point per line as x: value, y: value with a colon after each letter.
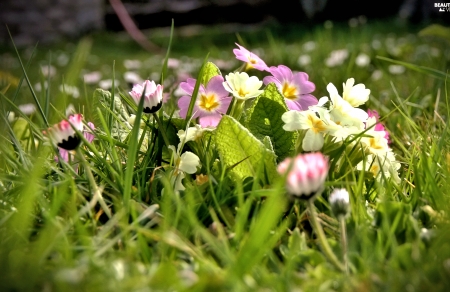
x: 316, y: 121
x: 252, y: 60
x: 212, y: 101
x: 152, y: 97
x: 295, y: 87
x: 341, y: 111
x: 340, y: 202
x: 184, y: 163
x: 355, y: 95
x: 63, y: 135
x: 305, y: 174
x: 381, y: 166
x: 374, y: 140
x: 191, y: 134
x: 242, y: 86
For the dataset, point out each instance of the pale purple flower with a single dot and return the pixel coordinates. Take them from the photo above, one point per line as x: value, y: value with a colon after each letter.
x: 295, y: 87
x: 378, y: 126
x: 212, y: 101
x: 305, y: 174
x: 153, y: 95
x: 252, y: 60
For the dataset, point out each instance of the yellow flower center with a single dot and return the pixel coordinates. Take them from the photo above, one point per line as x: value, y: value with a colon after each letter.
x: 374, y: 169
x: 208, y: 102
x: 242, y: 92
x: 373, y: 143
x: 289, y: 91
x: 317, y: 125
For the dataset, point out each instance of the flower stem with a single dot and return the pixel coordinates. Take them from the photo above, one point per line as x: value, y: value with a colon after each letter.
x: 161, y: 129
x: 237, y: 109
x: 343, y: 229
x: 321, y: 236
x: 97, y: 194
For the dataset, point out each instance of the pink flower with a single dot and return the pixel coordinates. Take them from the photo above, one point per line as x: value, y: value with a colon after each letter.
x: 63, y: 135
x: 295, y: 87
x: 306, y: 174
x: 212, y: 101
x: 378, y: 126
x: 252, y: 60
x: 88, y: 135
x: 152, y: 98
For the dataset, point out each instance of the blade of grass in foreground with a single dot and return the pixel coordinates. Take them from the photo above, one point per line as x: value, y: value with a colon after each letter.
x: 195, y: 92
x: 36, y: 100
x: 131, y: 154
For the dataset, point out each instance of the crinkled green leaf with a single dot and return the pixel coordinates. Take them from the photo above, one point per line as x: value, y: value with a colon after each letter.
x: 241, y: 151
x: 209, y: 72
x: 264, y: 119
x: 268, y: 143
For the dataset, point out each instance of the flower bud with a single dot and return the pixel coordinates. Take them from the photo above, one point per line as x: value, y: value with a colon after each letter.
x: 340, y: 202
x: 306, y: 174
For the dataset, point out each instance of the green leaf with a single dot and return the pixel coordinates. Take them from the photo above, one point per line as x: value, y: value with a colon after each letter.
x: 241, y: 151
x: 209, y: 72
x: 264, y: 119
x: 437, y: 31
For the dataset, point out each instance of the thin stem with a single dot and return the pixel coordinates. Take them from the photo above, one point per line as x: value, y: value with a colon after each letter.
x: 97, y: 194
x: 321, y: 235
x: 161, y: 129
x: 343, y: 229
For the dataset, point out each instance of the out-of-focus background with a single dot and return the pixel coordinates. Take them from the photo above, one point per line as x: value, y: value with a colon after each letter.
x: 46, y: 21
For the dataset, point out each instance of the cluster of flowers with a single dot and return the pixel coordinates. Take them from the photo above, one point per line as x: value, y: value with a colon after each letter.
x: 334, y: 115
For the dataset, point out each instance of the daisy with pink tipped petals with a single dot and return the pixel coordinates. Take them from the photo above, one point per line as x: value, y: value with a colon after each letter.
x: 212, y: 101
x: 153, y: 95
x: 252, y: 60
x: 295, y: 87
x: 63, y: 133
x: 306, y: 174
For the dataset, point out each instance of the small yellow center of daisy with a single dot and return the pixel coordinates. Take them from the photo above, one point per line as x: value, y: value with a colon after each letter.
x: 208, y: 102
x: 289, y: 91
x: 317, y: 125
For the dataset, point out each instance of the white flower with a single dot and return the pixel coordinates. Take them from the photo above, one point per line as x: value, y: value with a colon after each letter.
x: 316, y: 121
x: 336, y: 58
x: 191, y: 134
x: 304, y: 60
x: 375, y: 141
x: 362, y: 60
x: 242, y: 86
x: 342, y: 112
x: 396, y: 69
x: 381, y: 166
x: 184, y: 163
x: 355, y: 95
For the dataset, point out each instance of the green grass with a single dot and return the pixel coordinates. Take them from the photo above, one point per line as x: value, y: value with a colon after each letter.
x: 226, y: 233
